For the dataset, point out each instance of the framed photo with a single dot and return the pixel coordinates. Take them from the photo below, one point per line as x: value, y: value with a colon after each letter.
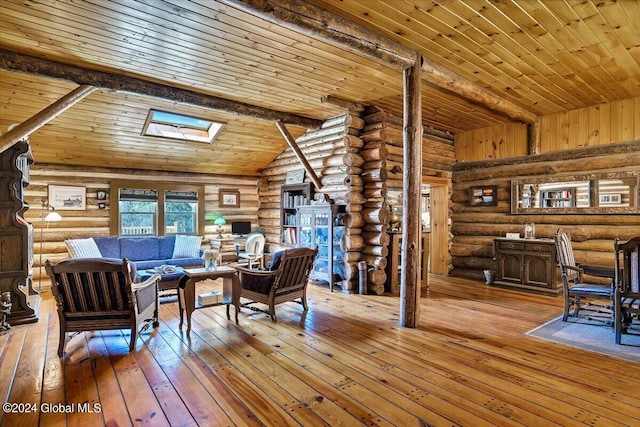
x: 295, y: 177
x: 486, y: 195
x: 65, y: 198
x: 229, y: 198
x: 610, y: 199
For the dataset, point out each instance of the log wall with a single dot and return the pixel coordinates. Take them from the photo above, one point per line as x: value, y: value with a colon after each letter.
x: 94, y: 221
x: 602, y: 124
x: 474, y: 228
x: 333, y: 153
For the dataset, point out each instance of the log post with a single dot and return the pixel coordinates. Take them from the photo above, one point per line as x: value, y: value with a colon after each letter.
x: 43, y: 117
x: 410, y: 279
x: 299, y: 154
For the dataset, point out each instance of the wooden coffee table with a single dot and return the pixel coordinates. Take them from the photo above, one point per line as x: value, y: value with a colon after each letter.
x: 187, y: 290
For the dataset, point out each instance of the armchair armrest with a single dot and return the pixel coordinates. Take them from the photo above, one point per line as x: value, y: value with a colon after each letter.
x: 598, y: 270
x: 143, y: 285
x: 262, y: 273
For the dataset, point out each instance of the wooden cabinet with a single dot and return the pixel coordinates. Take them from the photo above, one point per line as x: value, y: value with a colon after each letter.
x: 394, y: 261
x: 292, y: 196
x: 527, y: 264
x: 322, y: 226
x: 16, y: 234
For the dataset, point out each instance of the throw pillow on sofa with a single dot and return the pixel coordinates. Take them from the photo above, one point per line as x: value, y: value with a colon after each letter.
x: 187, y: 246
x: 83, y: 248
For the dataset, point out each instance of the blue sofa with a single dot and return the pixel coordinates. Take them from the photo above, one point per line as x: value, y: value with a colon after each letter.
x: 146, y: 253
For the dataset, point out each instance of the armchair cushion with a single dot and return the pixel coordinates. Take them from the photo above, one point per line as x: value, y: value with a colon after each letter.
x: 257, y: 281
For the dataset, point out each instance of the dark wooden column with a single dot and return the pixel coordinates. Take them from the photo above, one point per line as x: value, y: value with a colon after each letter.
x: 410, y: 279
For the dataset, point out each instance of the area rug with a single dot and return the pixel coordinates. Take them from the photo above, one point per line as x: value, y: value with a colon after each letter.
x: 591, y: 336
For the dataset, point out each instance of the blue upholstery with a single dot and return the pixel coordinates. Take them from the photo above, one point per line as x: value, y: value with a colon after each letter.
x: 139, y: 248
x: 146, y: 253
x: 166, y: 246
x: 109, y: 246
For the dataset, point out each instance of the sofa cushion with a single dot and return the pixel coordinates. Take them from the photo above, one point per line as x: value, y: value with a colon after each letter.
x: 185, y: 262
x: 166, y: 246
x: 187, y: 246
x: 109, y: 246
x: 83, y: 248
x: 149, y: 263
x: 139, y: 248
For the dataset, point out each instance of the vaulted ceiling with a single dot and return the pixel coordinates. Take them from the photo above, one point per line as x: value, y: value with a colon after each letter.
x: 542, y: 56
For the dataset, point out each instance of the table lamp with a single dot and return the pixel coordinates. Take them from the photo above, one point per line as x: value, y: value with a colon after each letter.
x: 219, y: 222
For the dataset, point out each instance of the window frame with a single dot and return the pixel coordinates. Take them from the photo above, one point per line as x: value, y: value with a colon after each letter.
x: 161, y: 188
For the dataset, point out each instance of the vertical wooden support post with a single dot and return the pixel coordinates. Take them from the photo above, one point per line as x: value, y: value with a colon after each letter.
x: 533, y: 138
x: 410, y: 278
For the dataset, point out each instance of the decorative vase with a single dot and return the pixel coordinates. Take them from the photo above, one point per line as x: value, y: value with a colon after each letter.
x: 210, y: 264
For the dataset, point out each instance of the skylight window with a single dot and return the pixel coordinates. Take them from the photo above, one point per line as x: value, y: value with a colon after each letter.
x: 178, y: 126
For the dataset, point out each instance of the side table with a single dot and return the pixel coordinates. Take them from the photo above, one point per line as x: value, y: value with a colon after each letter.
x: 187, y: 290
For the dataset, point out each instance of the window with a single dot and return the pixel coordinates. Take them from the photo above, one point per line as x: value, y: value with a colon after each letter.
x: 180, y: 212
x: 177, y: 126
x: 138, y: 212
x: 156, y: 209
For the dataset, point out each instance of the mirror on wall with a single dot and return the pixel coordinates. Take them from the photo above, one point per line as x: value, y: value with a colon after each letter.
x: 615, y: 192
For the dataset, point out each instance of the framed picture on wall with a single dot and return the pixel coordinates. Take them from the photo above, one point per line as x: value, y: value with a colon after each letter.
x: 229, y: 198
x: 486, y: 195
x: 67, y: 198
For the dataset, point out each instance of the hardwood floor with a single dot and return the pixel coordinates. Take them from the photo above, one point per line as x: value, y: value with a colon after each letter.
x: 347, y: 362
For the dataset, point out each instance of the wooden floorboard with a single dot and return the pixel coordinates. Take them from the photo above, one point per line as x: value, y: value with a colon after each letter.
x: 345, y: 362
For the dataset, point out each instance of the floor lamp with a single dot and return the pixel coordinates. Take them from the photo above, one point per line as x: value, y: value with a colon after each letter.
x: 52, y: 216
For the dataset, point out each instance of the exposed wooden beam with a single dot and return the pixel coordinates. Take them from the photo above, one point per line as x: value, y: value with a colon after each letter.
x: 43, y: 117
x: 410, y: 279
x: 319, y: 23
x: 299, y: 154
x: 343, y: 103
x: 117, y: 82
x: 439, y: 76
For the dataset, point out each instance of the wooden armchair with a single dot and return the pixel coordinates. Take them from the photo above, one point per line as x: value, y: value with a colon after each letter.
x: 627, y: 292
x: 599, y: 296
x: 99, y: 294
x: 286, y: 281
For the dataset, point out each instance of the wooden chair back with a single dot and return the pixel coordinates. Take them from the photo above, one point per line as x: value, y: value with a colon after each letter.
x: 294, y: 270
x: 627, y: 289
x: 91, y: 285
x: 564, y: 250
x: 627, y: 270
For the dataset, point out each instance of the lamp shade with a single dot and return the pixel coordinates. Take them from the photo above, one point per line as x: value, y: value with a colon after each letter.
x: 53, y: 217
x: 219, y: 221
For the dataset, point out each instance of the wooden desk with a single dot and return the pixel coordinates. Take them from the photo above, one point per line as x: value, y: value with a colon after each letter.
x: 187, y: 290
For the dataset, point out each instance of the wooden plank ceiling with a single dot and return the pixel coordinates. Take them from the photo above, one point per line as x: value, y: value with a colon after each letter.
x: 545, y: 57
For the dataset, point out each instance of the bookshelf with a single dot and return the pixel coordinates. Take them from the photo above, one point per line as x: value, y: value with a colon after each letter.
x: 560, y: 198
x: 292, y: 196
